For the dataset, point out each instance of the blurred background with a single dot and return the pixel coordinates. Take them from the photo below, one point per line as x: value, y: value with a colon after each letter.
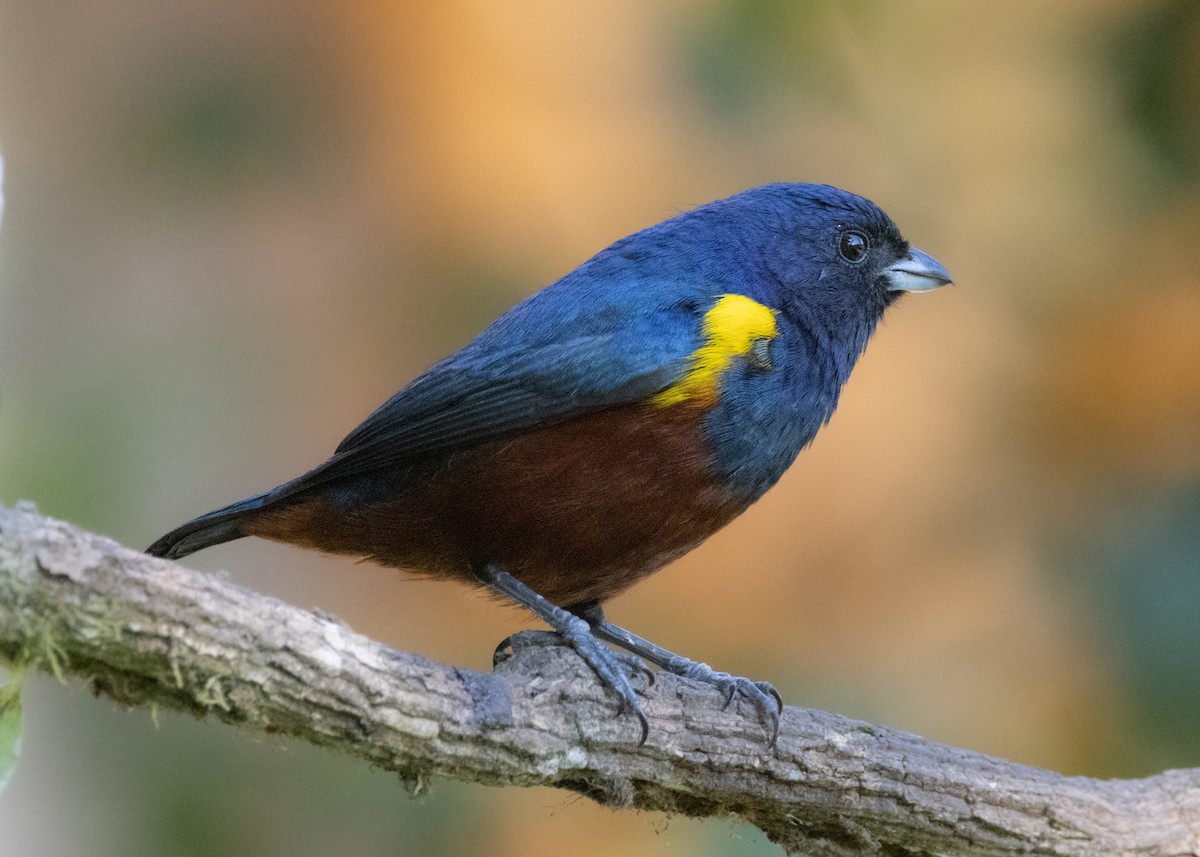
x: 234, y: 228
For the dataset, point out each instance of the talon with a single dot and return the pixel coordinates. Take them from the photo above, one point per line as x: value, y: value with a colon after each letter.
x: 770, y: 688
x: 645, y: 723
x: 761, y: 694
x: 635, y: 665
x: 731, y: 689
x: 771, y: 715
x: 774, y: 726
x: 503, y: 652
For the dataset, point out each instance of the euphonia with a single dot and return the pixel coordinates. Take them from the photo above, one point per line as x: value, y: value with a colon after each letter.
x: 611, y: 422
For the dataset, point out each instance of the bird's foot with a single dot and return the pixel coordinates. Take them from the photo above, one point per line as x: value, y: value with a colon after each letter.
x: 762, y: 695
x: 612, y: 668
x: 608, y: 667
x: 576, y: 633
x: 634, y: 665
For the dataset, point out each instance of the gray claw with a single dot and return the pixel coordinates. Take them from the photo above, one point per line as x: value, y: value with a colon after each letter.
x: 762, y: 695
x: 607, y: 665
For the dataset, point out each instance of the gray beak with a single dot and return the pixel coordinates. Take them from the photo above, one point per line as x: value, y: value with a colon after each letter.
x: 916, y: 272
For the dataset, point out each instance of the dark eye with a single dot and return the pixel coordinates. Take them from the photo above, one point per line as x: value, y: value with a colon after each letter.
x: 853, y: 246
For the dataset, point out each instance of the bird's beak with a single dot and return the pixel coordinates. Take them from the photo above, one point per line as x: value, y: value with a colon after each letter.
x: 916, y: 272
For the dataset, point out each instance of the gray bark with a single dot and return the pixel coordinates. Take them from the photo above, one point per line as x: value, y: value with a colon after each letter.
x: 150, y: 632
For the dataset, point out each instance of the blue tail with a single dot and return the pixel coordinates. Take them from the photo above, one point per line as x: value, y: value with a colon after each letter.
x: 222, y: 525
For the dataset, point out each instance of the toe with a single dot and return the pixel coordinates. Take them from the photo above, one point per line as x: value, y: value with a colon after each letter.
x: 607, y: 666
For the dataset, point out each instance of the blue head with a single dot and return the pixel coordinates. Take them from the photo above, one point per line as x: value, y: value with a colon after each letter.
x: 829, y: 258
x: 829, y: 263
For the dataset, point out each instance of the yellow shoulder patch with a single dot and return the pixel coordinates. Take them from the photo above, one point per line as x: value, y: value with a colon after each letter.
x: 733, y: 328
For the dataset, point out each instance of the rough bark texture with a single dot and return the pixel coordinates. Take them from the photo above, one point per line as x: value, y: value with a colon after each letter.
x: 147, y: 631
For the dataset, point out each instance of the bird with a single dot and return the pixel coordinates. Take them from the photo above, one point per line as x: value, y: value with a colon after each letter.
x: 611, y: 422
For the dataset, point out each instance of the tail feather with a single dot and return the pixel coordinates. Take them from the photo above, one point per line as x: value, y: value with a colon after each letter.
x: 222, y: 525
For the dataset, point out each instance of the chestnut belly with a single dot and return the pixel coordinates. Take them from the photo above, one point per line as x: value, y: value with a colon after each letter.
x: 578, y: 511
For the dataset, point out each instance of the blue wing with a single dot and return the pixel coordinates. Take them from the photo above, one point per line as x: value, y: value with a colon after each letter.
x: 545, y: 361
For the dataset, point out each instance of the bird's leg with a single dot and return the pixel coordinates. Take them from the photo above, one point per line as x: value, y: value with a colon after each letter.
x: 576, y: 633
x: 761, y: 694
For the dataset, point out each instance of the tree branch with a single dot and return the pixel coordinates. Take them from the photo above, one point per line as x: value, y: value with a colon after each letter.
x: 149, y: 632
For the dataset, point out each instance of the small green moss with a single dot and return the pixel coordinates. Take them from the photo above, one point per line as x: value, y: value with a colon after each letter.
x: 11, y: 679
x: 212, y: 695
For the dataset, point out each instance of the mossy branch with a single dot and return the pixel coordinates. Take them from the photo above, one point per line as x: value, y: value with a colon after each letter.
x: 149, y: 632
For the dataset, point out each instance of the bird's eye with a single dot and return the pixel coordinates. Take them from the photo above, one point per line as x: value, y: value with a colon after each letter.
x: 853, y: 246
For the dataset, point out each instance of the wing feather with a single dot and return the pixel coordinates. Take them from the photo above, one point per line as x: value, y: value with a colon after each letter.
x: 485, y: 392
